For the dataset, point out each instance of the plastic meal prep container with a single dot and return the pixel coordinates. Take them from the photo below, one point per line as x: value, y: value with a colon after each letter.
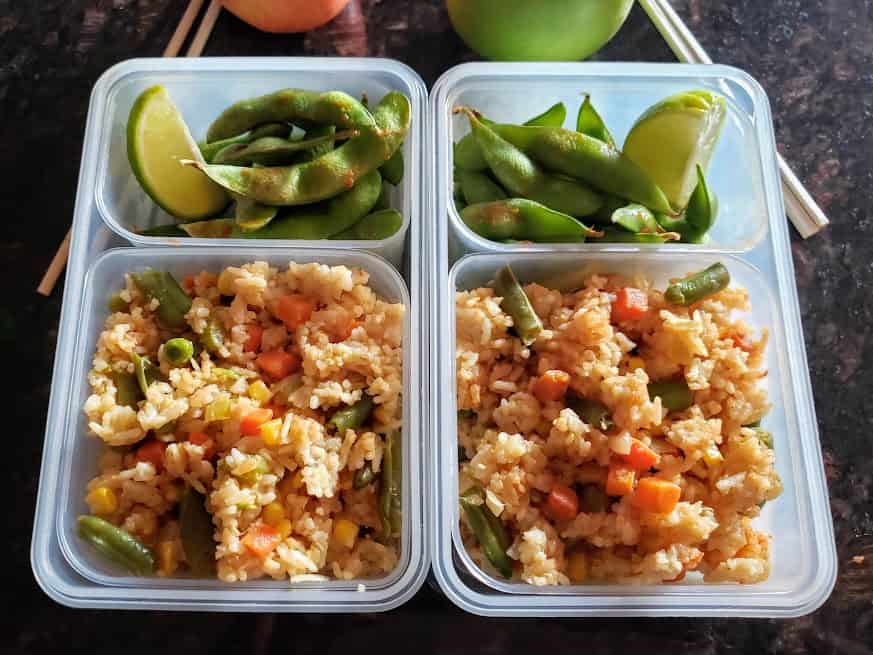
x: 750, y: 237
x: 202, y: 88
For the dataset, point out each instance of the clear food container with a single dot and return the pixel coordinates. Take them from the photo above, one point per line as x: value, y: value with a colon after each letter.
x: 755, y: 248
x: 202, y: 88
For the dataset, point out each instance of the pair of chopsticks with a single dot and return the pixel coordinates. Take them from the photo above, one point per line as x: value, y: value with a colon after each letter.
x: 800, y: 206
x: 174, y: 46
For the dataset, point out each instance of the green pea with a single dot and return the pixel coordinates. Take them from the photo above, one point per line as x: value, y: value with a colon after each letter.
x: 178, y: 351
x: 524, y: 220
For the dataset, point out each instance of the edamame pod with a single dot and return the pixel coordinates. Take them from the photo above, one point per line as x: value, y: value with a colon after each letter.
x: 116, y: 545
x: 515, y: 302
x: 675, y: 394
x: 353, y: 416
x: 273, y: 151
x: 488, y: 530
x: 250, y: 215
x: 589, y: 122
x: 178, y: 351
x: 699, y: 215
x: 524, y: 220
x: 174, y: 303
x: 478, y: 187
x: 392, y: 170
x: 623, y: 236
x: 384, y: 201
x: 323, y: 147
x: 390, y: 493
x: 209, y: 150
x: 635, y: 218
x: 594, y: 413
x: 195, y: 528
x: 373, y: 227
x: 698, y: 286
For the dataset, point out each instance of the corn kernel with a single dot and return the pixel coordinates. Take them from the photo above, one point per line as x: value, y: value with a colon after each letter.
x: 635, y: 363
x: 102, y: 501
x: 283, y: 527
x: 167, y: 561
x: 259, y: 392
x: 577, y: 567
x: 272, y: 514
x: 271, y: 432
x: 345, y: 532
x: 712, y: 456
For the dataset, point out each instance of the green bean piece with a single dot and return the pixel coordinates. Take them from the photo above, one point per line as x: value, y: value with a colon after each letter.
x: 373, y: 227
x: 162, y: 286
x: 145, y: 372
x: 589, y: 122
x: 478, y: 187
x: 353, y: 416
x: 765, y: 436
x: 523, y: 177
x: 275, y: 151
x: 524, y: 220
x: 195, y: 528
x: 178, y: 351
x: 213, y: 336
x: 209, y: 150
x: 117, y: 303
x: 292, y: 106
x: 392, y: 170
x: 593, y: 499
x: 330, y: 174
x: 516, y: 303
x: 675, y: 394
x: 322, y: 148
x: 127, y: 389
x: 635, y: 218
x: 324, y: 219
x: 698, y: 286
x: 390, y: 493
x: 593, y: 412
x: 623, y: 236
x: 364, y: 476
x: 116, y: 545
x: 488, y: 530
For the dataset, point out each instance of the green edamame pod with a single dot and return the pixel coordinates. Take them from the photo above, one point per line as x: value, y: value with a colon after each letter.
x: 594, y: 413
x: 292, y: 106
x: 524, y: 220
x: 127, y: 389
x: 116, y: 545
x: 488, y: 530
x: 392, y: 170
x: 589, y: 122
x: 274, y: 151
x: 675, y: 394
x: 523, y: 177
x: 593, y: 499
x: 213, y: 336
x: 209, y: 150
x: 330, y: 174
x: 384, y: 201
x: 325, y: 146
x: 390, y: 493
x: 699, y: 215
x: 373, y: 227
x: 478, y: 187
x: 698, y: 286
x: 160, y: 285
x: 515, y: 302
x: 250, y: 215
x: 635, y: 218
x: 353, y: 416
x: 178, y: 351
x: 145, y: 372
x: 364, y: 476
x: 623, y: 236
x: 554, y: 116
x: 195, y: 528
x: 217, y: 228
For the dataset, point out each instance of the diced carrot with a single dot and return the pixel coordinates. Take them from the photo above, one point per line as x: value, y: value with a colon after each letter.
x: 294, y: 310
x: 562, y: 503
x: 277, y: 364
x: 152, y: 451
x: 630, y: 304
x: 188, y: 283
x: 254, y: 333
x: 742, y: 343
x: 252, y: 421
x: 551, y: 385
x: 656, y: 495
x: 203, y: 439
x: 343, y: 332
x: 641, y: 457
x: 620, y: 480
x: 261, y: 539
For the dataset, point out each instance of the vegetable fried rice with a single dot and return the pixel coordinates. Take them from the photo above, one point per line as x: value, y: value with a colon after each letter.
x: 621, y: 445
x: 269, y: 395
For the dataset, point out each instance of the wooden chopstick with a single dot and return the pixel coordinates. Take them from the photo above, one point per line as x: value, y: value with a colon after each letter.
x: 59, y: 261
x: 805, y: 214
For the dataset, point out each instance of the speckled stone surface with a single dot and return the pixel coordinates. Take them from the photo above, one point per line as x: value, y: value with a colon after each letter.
x: 814, y: 58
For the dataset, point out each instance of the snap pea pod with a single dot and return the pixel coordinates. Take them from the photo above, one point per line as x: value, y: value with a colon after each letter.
x: 389, y: 495
x: 127, y: 390
x: 593, y: 499
x: 213, y: 336
x: 195, y: 528
x: 364, y: 476
x: 373, y: 227
x: 323, y: 147
x: 392, y: 170
x: 330, y: 174
x: 353, y: 416
x: 635, y: 218
x: 273, y: 151
x: 594, y: 413
x: 468, y: 156
x: 209, y: 150
x: 488, y: 530
x: 699, y: 215
x: 524, y: 220
x: 515, y: 302
x: 478, y: 187
x: 522, y: 176
x: 178, y: 351
x: 589, y: 122
x: 162, y: 286
x: 145, y: 372
x: 698, y: 286
x: 675, y: 394
x: 116, y: 545
x: 292, y: 106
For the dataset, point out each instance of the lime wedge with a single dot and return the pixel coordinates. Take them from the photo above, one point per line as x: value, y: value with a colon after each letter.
x: 157, y: 139
x: 675, y: 136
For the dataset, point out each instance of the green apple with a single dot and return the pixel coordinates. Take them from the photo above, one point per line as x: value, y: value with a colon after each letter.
x: 537, y: 30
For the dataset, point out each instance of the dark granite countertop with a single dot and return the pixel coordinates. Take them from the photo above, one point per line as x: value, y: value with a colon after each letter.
x: 814, y: 58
